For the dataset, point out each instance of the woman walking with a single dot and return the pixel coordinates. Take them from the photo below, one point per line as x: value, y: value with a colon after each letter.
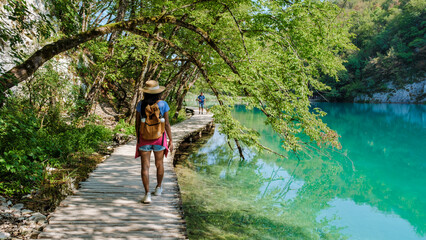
x: 151, y: 135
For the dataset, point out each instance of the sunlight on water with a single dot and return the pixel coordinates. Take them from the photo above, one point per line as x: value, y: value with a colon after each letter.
x: 374, y: 188
x: 363, y: 222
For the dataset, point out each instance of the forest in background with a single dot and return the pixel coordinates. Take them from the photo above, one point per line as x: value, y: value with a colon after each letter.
x: 391, y: 40
x: 274, y: 54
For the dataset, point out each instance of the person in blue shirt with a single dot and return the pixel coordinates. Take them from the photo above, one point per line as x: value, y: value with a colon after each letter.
x: 201, y: 98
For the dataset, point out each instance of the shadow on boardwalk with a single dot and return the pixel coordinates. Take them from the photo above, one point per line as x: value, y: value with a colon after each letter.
x: 107, y: 206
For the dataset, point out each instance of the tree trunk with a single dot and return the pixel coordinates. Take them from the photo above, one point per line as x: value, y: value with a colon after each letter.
x: 133, y: 6
x: 139, y: 84
x: 121, y: 11
x: 84, y: 17
x: 93, y: 92
x: 172, y: 83
x: 157, y: 78
x: 151, y: 69
x: 183, y: 90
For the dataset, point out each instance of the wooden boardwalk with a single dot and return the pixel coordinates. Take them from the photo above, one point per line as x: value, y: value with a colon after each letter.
x: 107, y: 205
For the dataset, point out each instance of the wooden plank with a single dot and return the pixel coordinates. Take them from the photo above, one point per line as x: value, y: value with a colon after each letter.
x: 118, y: 235
x: 118, y: 215
x: 139, y: 220
x: 117, y: 227
x: 165, y: 205
x: 158, y: 202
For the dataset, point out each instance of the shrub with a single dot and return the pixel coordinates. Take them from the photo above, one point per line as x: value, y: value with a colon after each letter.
x: 19, y: 171
x: 124, y: 127
x: 28, y: 143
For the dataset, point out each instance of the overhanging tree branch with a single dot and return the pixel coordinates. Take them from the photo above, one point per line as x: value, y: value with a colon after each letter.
x: 22, y: 71
x: 194, y: 60
x: 26, y: 69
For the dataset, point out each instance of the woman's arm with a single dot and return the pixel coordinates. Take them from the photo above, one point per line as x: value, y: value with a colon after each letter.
x: 138, y: 124
x: 169, y: 131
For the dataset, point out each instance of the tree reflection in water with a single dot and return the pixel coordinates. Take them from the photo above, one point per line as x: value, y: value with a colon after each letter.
x: 269, y: 197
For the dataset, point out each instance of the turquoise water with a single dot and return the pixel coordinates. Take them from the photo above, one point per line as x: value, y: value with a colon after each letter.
x: 374, y: 188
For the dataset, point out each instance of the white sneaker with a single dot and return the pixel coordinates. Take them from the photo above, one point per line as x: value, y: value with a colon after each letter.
x: 147, y: 198
x: 158, y: 191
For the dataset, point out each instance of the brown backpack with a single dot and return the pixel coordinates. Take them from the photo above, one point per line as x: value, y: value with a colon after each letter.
x: 154, y: 125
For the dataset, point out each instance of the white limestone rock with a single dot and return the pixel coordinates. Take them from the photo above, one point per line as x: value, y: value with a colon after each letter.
x: 26, y: 211
x: 24, y: 230
x: 30, y: 43
x: 35, y: 234
x: 38, y: 217
x: 18, y: 206
x: 3, y: 207
x: 4, y: 235
x: 410, y: 93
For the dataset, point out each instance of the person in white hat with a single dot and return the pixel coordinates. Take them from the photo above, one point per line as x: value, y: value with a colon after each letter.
x: 151, y: 95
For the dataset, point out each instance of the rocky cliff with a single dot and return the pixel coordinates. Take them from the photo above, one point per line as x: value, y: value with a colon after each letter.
x: 410, y: 93
x: 12, y: 30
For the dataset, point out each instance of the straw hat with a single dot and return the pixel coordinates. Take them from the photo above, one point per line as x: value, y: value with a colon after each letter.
x: 152, y: 87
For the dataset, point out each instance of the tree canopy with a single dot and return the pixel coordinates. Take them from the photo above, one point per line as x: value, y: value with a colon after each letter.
x: 391, y: 42
x: 266, y: 54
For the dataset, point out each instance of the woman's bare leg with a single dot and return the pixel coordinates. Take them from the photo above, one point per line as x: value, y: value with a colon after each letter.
x: 145, y: 156
x: 159, y: 156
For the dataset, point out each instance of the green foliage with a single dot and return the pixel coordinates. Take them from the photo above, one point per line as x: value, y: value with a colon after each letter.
x: 19, y: 172
x: 40, y: 126
x: 181, y: 117
x: 21, y: 160
x: 27, y: 148
x: 48, y: 87
x: 278, y: 57
x: 125, y: 127
x: 67, y: 14
x: 391, y: 39
x: 270, y: 53
x: 285, y: 60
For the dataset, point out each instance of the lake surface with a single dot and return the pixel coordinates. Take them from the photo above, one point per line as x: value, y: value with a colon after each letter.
x: 374, y: 188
